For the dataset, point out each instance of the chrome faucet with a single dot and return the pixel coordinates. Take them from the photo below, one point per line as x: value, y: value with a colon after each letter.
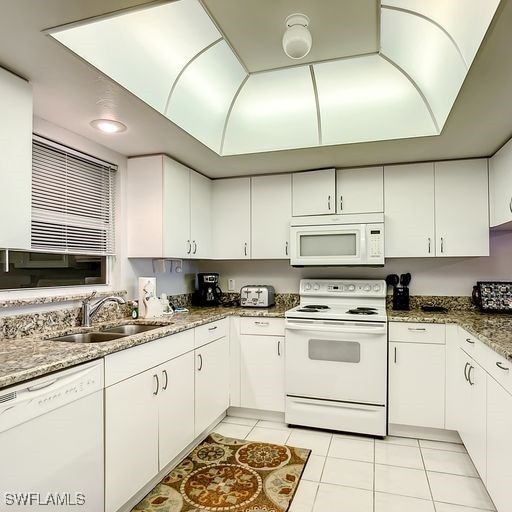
x: 89, y: 310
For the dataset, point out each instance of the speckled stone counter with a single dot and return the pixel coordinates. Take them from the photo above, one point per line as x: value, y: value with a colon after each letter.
x: 495, y: 330
x: 22, y: 359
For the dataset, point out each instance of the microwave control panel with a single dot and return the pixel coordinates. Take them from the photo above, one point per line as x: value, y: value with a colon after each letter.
x: 375, y: 238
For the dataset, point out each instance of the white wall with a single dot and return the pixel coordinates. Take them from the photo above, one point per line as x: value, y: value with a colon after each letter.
x: 430, y: 276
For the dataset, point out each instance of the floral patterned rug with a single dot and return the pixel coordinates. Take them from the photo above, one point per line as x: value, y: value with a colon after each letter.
x: 224, y: 474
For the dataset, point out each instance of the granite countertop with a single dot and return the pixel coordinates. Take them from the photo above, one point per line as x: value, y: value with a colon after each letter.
x: 495, y: 330
x: 27, y: 358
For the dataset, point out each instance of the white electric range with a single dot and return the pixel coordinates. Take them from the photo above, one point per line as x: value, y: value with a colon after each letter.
x: 336, y: 356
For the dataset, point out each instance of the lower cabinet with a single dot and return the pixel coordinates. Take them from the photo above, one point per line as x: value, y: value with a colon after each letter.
x: 499, y: 449
x: 262, y: 372
x: 417, y: 384
x: 211, y: 382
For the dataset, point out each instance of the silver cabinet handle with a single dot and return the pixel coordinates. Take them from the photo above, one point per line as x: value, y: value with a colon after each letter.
x: 341, y: 203
x: 189, y: 247
x: 164, y: 373
x: 286, y: 249
x: 395, y: 355
x: 510, y: 205
x: 257, y: 322
x: 329, y: 203
x: 279, y: 348
x: 416, y: 329
x: 245, y: 249
x: 157, y: 385
x: 212, y: 328
x: 429, y: 245
x: 442, y: 244
x: 469, y: 375
x: 500, y: 365
x: 469, y: 340
x: 195, y: 246
x: 200, y: 357
x: 466, y: 371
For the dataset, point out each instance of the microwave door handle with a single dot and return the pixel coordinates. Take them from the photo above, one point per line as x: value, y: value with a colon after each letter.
x: 362, y: 242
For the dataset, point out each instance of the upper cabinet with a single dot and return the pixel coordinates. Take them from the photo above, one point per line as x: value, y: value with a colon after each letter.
x: 231, y: 219
x: 409, y: 210
x: 16, y: 161
x: 500, y: 182
x: 437, y: 209
x: 462, y: 208
x: 271, y: 211
x: 314, y: 192
x: 360, y: 190
x: 168, y: 208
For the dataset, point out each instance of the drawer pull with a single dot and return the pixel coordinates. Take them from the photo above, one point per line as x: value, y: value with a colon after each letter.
x: 200, y: 367
x: 466, y: 371
x: 469, y: 375
x: 164, y: 373
x: 260, y: 323
x: 470, y: 341
x: 212, y: 328
x: 416, y: 329
x: 501, y: 367
x: 279, y: 348
x: 157, y: 385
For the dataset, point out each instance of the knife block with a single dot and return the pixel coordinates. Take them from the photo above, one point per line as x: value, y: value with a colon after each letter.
x: 401, y: 298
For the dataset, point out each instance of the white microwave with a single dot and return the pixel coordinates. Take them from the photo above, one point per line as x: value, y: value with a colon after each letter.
x: 330, y: 240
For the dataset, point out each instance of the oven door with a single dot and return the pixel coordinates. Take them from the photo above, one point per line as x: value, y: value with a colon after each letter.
x: 337, y: 360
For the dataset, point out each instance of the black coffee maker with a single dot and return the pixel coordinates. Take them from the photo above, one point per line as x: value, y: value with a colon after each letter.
x: 207, y: 290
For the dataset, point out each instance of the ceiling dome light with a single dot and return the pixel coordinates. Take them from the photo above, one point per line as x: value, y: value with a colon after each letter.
x: 108, y: 126
x: 297, y: 39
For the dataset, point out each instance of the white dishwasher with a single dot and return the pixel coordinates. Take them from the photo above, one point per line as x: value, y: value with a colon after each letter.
x: 51, y: 442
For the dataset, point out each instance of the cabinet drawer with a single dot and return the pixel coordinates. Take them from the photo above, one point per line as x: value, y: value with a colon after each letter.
x: 416, y: 332
x: 129, y: 362
x: 210, y: 332
x: 468, y: 342
x: 262, y: 325
x: 496, y: 365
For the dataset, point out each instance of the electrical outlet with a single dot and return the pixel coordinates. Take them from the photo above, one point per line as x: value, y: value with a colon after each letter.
x: 231, y: 285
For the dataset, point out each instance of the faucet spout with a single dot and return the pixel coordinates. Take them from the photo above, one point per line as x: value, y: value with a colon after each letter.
x: 89, y: 310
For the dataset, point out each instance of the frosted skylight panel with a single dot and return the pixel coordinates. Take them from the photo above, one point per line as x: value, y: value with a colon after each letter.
x: 274, y: 110
x: 430, y: 58
x: 203, y: 94
x: 367, y: 98
x: 466, y: 21
x: 144, y: 50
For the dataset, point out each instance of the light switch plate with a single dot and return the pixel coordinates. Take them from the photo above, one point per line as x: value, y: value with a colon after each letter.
x: 231, y: 285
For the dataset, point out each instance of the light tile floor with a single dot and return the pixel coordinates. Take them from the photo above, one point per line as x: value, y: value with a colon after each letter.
x: 348, y: 473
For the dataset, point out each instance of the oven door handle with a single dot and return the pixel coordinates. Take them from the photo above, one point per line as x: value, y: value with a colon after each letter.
x: 320, y: 328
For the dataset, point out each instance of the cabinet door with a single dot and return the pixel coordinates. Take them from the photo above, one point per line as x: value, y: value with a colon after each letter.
x: 409, y: 210
x: 500, y: 181
x: 473, y: 416
x: 499, y: 450
x: 313, y: 192
x: 16, y: 161
x: 462, y: 209
x: 176, y: 407
x: 262, y: 372
x: 231, y: 218
x: 417, y: 384
x: 360, y: 190
x: 271, y: 205
x: 176, y: 198
x: 200, y: 215
x: 131, y: 437
x: 211, y: 383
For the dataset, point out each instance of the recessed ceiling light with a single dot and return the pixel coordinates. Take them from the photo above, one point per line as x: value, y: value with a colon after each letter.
x: 297, y: 39
x: 108, y: 126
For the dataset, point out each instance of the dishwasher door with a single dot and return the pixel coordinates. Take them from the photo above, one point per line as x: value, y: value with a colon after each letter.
x: 51, y: 442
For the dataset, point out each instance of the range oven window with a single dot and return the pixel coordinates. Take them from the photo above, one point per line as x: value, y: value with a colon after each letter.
x: 328, y: 244
x: 334, y: 350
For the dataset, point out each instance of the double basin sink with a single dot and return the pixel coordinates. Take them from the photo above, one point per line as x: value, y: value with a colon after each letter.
x: 112, y: 333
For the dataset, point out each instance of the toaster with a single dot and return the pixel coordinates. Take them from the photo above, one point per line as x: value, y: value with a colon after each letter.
x: 257, y: 296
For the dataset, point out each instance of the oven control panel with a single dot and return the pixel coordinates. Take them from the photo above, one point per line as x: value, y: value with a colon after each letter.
x: 343, y: 287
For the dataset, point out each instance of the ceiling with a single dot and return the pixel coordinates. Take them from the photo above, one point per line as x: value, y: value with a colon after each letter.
x: 69, y: 92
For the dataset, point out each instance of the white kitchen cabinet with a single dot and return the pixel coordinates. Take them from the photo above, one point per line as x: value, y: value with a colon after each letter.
x: 360, y: 190
x: 500, y: 187
x: 314, y: 192
x: 462, y: 208
x: 168, y: 209
x: 231, y: 219
x: 499, y: 450
x: 176, y: 407
x: 262, y: 372
x: 417, y: 384
x: 472, y: 395
x: 271, y: 211
x: 211, y: 383
x: 131, y: 437
x: 409, y: 210
x: 16, y: 161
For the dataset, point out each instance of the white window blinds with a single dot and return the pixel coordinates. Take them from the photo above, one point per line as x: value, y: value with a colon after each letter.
x: 72, y: 201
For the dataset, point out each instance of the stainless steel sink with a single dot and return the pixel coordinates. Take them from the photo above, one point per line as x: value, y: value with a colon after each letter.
x: 89, y: 337
x: 130, y: 329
